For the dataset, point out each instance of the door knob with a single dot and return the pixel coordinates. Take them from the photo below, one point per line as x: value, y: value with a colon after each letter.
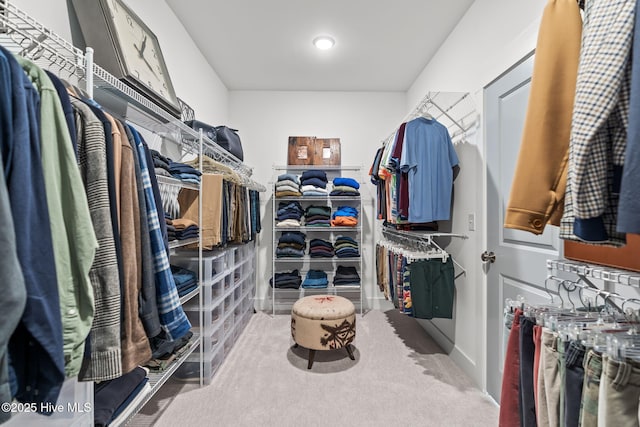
x: 488, y: 257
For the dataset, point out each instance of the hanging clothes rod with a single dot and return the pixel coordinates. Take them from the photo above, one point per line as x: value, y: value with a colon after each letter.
x: 445, y: 110
x: 425, y: 241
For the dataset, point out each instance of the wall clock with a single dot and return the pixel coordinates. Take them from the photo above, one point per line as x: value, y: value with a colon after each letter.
x: 125, y: 47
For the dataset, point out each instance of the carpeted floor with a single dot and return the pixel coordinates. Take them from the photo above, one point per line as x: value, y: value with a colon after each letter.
x: 400, y: 377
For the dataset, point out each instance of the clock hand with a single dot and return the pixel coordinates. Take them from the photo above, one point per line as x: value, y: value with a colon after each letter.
x: 143, y: 46
x: 149, y: 65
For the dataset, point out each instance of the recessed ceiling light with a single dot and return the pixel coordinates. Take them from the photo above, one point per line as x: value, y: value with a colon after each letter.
x: 324, y: 42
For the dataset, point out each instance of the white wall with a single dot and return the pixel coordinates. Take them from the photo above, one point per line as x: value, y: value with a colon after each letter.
x: 194, y: 80
x: 492, y: 36
x: 361, y: 120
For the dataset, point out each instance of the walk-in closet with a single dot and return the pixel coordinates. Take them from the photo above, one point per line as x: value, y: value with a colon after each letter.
x: 291, y: 213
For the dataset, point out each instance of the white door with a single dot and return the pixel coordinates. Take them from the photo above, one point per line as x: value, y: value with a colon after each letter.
x: 520, y: 263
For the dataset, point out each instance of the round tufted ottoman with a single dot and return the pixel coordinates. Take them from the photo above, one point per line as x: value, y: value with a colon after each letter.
x: 323, y: 322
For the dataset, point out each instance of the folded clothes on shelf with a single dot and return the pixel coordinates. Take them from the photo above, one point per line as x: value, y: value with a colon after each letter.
x: 345, y: 216
x: 162, y: 172
x: 178, y: 168
x: 343, y: 190
x: 347, y: 182
x: 110, y: 395
x: 346, y: 211
x: 306, y: 189
x: 346, y: 247
x: 346, y: 276
x: 313, y: 173
x: 181, y: 229
x: 186, y: 280
x: 287, y: 185
x: 314, y: 183
x: 286, y: 280
x: 293, y: 237
x: 289, y: 177
x: 289, y: 253
x: 288, y: 223
x: 289, y: 210
x: 319, y: 248
x: 315, y: 279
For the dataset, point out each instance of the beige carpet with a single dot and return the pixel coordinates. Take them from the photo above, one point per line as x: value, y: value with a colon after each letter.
x: 400, y: 378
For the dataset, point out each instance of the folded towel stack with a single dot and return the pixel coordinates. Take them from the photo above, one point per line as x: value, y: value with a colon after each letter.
x: 346, y: 247
x: 286, y: 280
x: 314, y: 183
x: 289, y: 214
x: 291, y: 244
x: 317, y: 216
x: 346, y: 276
x: 315, y: 279
x: 345, y: 216
x: 345, y: 187
x: 288, y: 185
x: 319, y: 248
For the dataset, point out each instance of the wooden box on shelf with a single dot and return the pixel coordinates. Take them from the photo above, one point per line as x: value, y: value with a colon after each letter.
x: 327, y: 151
x: 301, y: 150
x: 311, y: 151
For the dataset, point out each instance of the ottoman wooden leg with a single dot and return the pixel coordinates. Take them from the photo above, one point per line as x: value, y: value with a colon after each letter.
x: 312, y: 354
x: 351, y: 356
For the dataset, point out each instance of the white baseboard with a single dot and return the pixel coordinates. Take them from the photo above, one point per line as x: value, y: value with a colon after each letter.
x: 458, y: 356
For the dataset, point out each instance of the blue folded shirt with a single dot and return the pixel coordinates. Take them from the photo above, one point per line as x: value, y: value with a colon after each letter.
x: 345, y: 211
x: 350, y: 182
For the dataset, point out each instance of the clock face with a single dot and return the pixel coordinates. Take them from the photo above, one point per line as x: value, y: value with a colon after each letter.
x: 140, y: 50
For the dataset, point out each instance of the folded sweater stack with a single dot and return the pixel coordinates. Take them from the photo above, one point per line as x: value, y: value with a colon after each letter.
x: 315, y: 279
x: 288, y: 185
x: 314, y: 183
x: 181, y: 229
x: 345, y: 187
x: 184, y: 172
x: 286, y: 280
x: 291, y: 244
x: 319, y: 248
x: 346, y: 247
x: 345, y: 216
x: 317, y: 216
x: 186, y: 280
x: 346, y: 276
x: 289, y: 214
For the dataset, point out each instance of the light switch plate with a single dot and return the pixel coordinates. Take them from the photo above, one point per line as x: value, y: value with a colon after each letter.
x: 472, y: 221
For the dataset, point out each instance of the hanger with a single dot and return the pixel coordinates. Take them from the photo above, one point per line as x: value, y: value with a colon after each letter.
x: 425, y: 110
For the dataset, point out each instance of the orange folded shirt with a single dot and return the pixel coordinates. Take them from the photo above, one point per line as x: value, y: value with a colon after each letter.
x: 344, y: 221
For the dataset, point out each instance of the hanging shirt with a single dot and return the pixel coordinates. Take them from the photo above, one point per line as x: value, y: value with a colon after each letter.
x: 35, y: 347
x: 172, y: 317
x: 74, y: 241
x: 428, y: 157
x: 104, y: 362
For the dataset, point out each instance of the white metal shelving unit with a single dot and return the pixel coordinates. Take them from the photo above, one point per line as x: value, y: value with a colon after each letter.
x: 22, y: 34
x: 306, y: 263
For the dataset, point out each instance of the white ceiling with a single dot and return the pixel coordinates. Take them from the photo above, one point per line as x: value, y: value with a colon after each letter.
x: 266, y: 45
